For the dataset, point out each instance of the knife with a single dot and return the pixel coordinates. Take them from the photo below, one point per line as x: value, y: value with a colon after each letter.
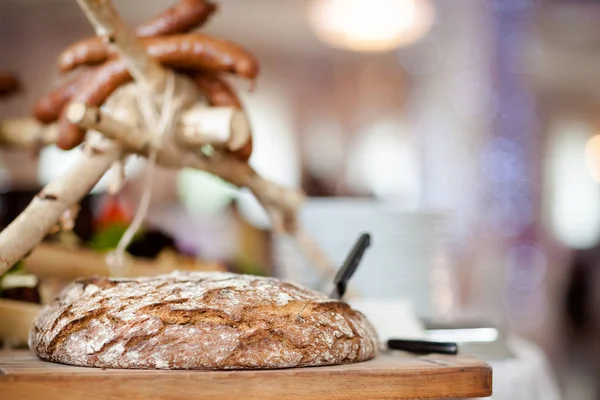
x: 350, y: 265
x: 423, y: 346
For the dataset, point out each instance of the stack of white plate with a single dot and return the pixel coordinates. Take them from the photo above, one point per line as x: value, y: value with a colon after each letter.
x: 406, y: 258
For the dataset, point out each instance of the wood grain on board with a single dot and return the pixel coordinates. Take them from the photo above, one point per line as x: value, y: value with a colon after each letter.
x: 390, y: 376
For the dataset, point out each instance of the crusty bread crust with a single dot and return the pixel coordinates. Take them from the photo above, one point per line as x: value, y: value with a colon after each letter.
x: 200, y: 320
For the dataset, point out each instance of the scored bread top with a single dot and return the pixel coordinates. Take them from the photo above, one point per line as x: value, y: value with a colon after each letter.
x: 199, y: 320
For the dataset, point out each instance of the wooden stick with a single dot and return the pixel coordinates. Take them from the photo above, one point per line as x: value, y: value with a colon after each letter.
x: 199, y: 125
x: 45, y: 210
x: 93, y: 118
x: 26, y: 133
x: 282, y: 203
x: 227, y: 167
x: 170, y: 155
x: 220, y: 126
x: 109, y: 25
x: 270, y: 194
x: 314, y: 254
x: 286, y: 223
x: 117, y: 180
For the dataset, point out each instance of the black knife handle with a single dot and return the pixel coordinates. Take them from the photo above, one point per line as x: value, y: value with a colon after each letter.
x: 423, y: 346
x: 350, y: 265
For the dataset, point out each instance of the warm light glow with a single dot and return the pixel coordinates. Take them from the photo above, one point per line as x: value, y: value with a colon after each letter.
x: 592, y: 157
x: 370, y: 25
x: 383, y: 162
x: 573, y: 194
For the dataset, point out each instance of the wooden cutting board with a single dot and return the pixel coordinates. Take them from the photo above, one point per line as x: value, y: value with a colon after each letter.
x: 395, y: 375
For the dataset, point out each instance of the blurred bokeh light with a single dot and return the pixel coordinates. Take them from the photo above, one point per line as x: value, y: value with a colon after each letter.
x: 592, y: 157
x: 370, y: 25
x: 575, y: 215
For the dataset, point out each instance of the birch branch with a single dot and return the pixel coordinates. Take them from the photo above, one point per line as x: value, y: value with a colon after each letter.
x: 282, y: 203
x: 118, y: 178
x: 26, y: 133
x: 170, y: 155
x: 314, y: 254
x: 224, y: 166
x: 93, y: 118
x: 45, y: 210
x: 219, y: 126
x: 108, y: 24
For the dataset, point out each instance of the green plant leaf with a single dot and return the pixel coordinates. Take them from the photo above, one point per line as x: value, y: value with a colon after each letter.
x: 108, y: 238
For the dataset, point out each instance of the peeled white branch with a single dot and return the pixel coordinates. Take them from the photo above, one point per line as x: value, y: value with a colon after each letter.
x: 117, y: 182
x: 26, y: 133
x: 218, y: 126
x: 225, y: 166
x: 282, y: 203
x: 93, y: 118
x: 45, y: 210
x: 200, y: 125
x: 108, y: 25
x: 314, y: 254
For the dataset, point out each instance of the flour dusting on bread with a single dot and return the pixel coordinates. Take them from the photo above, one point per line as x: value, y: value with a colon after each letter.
x: 199, y: 320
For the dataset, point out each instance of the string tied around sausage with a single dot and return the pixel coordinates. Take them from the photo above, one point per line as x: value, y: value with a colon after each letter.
x: 160, y: 124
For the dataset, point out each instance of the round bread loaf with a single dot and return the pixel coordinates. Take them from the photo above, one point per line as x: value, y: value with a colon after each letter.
x: 199, y: 320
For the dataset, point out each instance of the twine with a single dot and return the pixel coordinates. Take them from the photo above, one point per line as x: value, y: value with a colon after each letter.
x: 159, y: 123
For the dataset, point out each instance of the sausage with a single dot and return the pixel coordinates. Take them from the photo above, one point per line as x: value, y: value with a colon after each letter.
x: 182, y: 17
x: 185, y: 51
x: 201, y: 52
x: 9, y: 84
x: 69, y: 135
x: 48, y: 108
x: 216, y: 90
x: 88, y: 51
x: 105, y: 81
x: 219, y: 93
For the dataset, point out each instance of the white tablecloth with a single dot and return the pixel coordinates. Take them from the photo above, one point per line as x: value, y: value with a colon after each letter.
x: 526, y: 377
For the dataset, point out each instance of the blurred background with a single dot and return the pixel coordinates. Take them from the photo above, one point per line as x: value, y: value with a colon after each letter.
x: 463, y: 134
